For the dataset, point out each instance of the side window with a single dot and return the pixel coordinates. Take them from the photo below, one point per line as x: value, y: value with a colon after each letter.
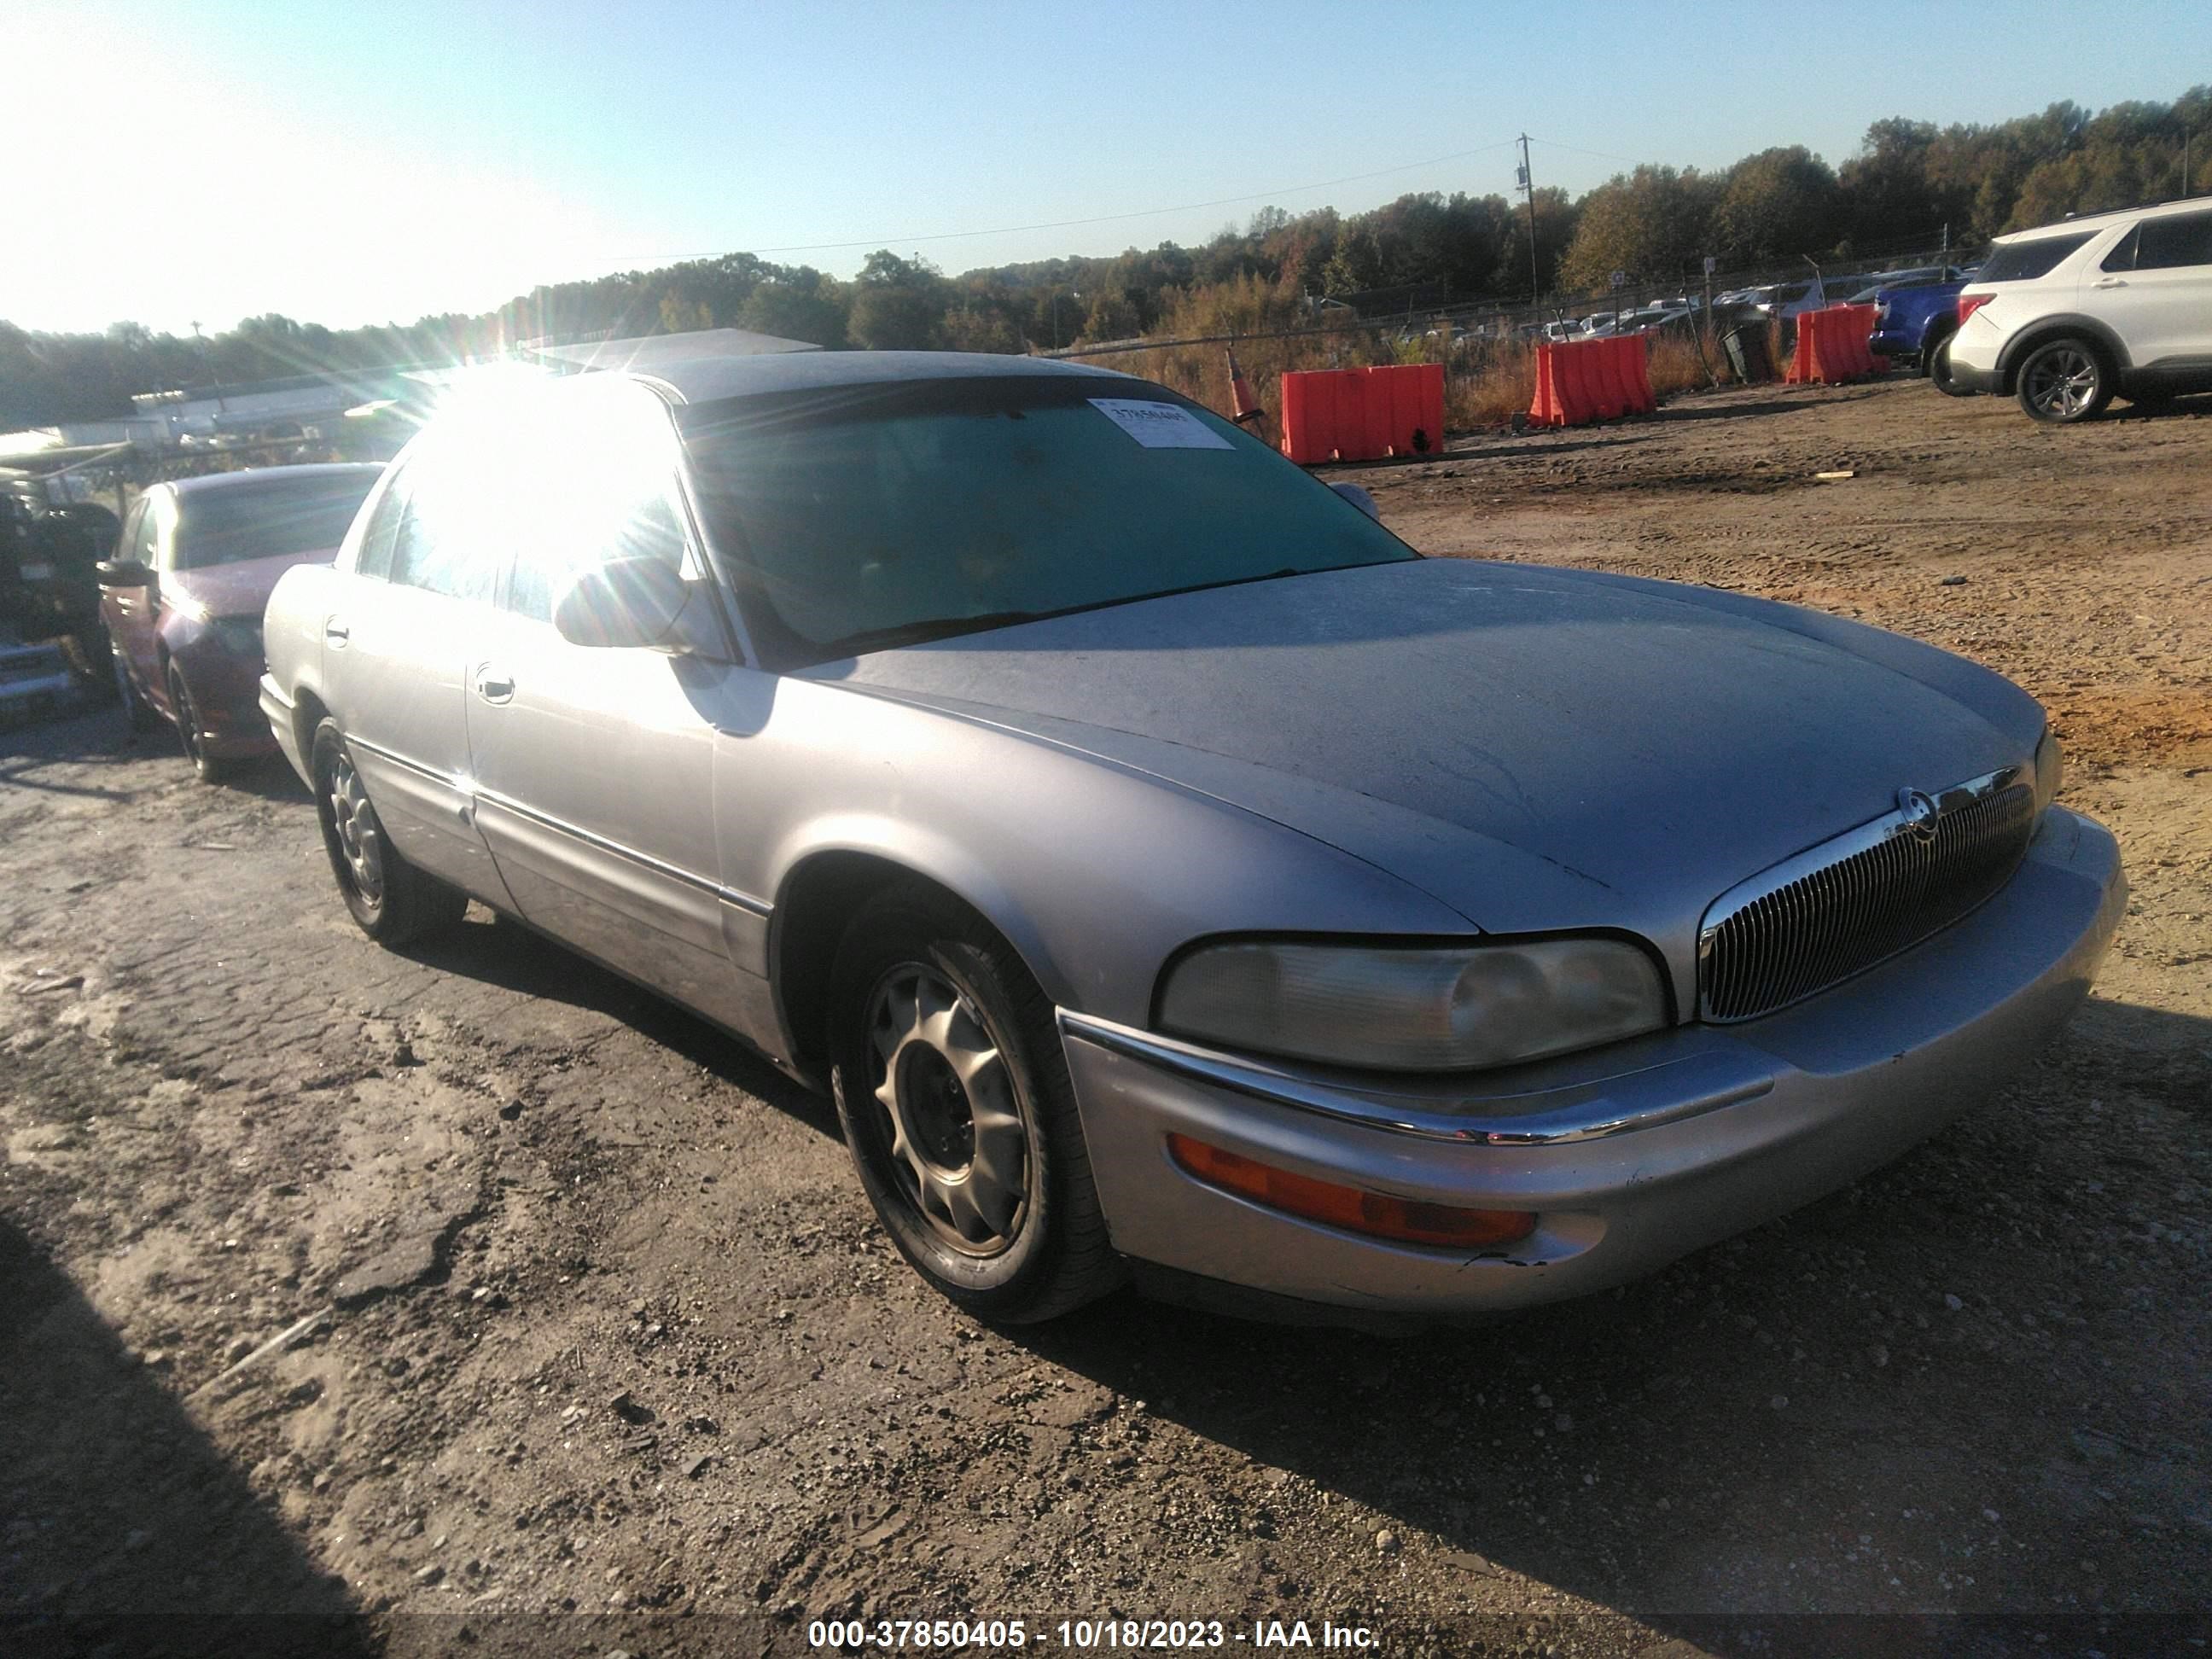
x: 146, y: 544
x: 381, y: 536
x: 2123, y: 256
x: 636, y: 528
x: 448, y: 538
x: 599, y: 486
x: 2185, y: 239
x: 126, y: 539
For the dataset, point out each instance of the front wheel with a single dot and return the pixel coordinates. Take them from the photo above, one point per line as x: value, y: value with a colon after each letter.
x: 955, y: 1100
x: 205, y: 767
x: 2063, y: 381
x: 390, y: 900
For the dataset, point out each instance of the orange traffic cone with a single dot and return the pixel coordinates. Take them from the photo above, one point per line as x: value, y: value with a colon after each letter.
x: 1243, y: 404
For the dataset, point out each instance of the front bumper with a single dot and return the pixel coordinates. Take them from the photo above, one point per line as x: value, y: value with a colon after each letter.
x: 224, y: 692
x: 1631, y: 1156
x: 277, y: 709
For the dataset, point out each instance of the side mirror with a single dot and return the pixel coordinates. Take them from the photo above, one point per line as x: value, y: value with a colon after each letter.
x: 122, y: 573
x: 624, y: 602
x: 1360, y: 499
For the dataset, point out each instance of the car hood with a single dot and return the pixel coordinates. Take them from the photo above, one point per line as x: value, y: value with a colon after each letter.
x: 1538, y: 748
x: 242, y: 589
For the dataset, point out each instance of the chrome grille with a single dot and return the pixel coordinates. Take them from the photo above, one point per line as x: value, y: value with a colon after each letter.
x: 1840, y: 908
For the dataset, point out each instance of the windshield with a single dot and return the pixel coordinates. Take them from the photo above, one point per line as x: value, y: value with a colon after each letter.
x: 266, y: 519
x: 860, y: 518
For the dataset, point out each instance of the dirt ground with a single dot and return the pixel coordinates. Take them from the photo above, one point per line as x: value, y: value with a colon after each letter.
x: 590, y: 1343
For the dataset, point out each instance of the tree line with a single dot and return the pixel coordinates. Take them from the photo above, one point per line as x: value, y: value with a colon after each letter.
x: 1910, y: 184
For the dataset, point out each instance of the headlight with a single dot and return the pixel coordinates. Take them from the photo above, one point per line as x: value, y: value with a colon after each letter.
x: 1415, y: 1010
x: 241, y: 636
x: 2049, y: 767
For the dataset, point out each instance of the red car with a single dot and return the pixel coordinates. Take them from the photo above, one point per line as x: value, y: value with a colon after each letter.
x: 183, y: 595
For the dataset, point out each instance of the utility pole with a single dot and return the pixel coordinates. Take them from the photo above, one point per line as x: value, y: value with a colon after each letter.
x: 1528, y: 184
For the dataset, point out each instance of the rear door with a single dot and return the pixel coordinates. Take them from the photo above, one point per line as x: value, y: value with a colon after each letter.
x: 2155, y: 289
x: 396, y: 647
x: 594, y: 766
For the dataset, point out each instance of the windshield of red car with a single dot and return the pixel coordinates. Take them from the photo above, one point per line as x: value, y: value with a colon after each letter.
x: 266, y: 519
x: 859, y: 518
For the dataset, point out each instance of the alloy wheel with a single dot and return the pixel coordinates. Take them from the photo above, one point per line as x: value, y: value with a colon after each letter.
x: 2063, y: 384
x: 959, y: 1148
x: 361, y: 839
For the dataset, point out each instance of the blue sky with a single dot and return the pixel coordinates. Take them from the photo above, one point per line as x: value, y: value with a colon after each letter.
x: 364, y: 164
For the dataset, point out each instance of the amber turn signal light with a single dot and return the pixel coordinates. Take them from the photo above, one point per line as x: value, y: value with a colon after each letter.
x: 1375, y: 1214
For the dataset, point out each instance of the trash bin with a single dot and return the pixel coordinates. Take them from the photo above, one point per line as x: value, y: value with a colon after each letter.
x: 1746, y: 345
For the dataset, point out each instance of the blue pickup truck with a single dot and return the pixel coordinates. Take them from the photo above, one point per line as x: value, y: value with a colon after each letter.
x: 1914, y: 320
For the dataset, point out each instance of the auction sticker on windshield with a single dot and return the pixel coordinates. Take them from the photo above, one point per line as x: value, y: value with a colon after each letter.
x: 1159, y: 426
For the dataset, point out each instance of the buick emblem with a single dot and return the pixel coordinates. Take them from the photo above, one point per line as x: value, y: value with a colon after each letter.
x: 1918, y: 813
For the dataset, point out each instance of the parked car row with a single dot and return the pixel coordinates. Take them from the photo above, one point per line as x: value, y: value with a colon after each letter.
x: 2065, y: 317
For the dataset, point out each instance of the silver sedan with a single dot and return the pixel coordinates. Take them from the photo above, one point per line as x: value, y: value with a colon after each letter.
x: 1171, y: 874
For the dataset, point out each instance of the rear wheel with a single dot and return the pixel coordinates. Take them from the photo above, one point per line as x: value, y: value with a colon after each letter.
x: 956, y: 1102
x: 205, y: 767
x: 1938, y: 362
x: 1936, y: 339
x: 390, y: 900
x: 2063, y: 381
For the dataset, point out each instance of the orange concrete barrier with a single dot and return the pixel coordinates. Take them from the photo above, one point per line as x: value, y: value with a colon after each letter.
x: 1362, y: 414
x: 1832, y: 347
x: 1579, y: 382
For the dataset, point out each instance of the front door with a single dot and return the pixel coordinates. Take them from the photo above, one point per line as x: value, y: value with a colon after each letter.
x: 594, y: 766
x: 131, y: 610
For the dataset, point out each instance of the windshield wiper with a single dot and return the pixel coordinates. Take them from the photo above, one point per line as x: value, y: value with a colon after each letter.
x: 915, y: 633
x: 939, y: 628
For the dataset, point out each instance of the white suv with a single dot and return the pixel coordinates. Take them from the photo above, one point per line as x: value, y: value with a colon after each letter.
x: 2070, y: 313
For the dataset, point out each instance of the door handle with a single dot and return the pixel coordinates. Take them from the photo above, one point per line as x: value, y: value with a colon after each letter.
x: 335, y: 632
x: 2111, y: 282
x: 494, y: 685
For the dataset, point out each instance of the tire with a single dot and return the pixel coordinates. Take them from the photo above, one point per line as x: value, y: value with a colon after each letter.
x: 205, y: 767
x: 956, y: 1103
x: 1937, y: 339
x: 2063, y: 381
x: 142, y: 714
x: 391, y: 900
x: 1938, y: 361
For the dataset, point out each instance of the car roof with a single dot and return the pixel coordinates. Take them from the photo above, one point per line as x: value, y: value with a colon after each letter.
x: 2094, y: 222
x: 709, y: 379
x: 253, y: 476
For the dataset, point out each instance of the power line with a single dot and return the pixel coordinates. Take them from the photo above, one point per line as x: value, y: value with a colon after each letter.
x: 1603, y: 154
x: 1098, y: 219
